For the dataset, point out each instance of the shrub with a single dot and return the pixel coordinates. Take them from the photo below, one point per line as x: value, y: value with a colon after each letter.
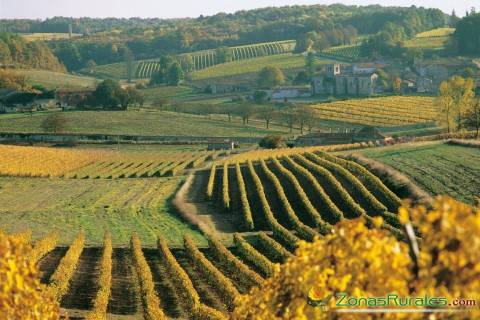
x: 374, y: 264
x: 333, y: 215
x: 44, y: 246
x: 22, y: 296
x: 150, y: 299
x: 225, y: 187
x: 61, y: 277
x: 250, y: 254
x: 211, y: 182
x: 272, y: 142
x: 212, y: 274
x: 278, y: 230
x: 304, y: 231
x: 275, y: 249
x: 235, y: 265
x: 247, y: 214
x: 100, y: 303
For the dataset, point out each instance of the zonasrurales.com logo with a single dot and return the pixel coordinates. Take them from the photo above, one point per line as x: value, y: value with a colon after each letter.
x: 391, y: 302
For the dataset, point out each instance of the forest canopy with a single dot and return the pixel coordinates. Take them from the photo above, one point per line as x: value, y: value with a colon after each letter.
x: 106, y: 40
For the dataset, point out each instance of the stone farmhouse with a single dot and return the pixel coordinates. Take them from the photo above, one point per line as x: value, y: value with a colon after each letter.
x: 346, y: 81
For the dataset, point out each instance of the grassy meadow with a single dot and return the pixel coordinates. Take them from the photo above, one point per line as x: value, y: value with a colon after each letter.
x: 66, y: 206
x: 138, y: 123
x: 436, y: 167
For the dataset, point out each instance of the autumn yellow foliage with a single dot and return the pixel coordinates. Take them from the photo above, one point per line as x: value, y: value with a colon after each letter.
x: 22, y: 297
x: 363, y: 262
x: 43, y: 162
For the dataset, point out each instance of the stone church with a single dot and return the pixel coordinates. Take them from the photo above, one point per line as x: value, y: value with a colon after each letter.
x: 342, y: 80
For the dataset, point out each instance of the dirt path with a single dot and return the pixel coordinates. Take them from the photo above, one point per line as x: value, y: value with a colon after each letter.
x: 163, y: 285
x: 83, y: 286
x: 192, y: 206
x: 50, y: 262
x: 124, y: 298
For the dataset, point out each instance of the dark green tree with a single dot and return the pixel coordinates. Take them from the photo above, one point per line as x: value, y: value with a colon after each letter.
x: 174, y: 74
x: 270, y: 77
x: 108, y: 94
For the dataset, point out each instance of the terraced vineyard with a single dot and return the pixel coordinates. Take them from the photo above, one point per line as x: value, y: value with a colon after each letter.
x: 301, y: 195
x: 385, y: 112
x: 343, y: 53
x: 142, y: 166
x: 208, y: 58
x: 82, y: 164
x: 157, y: 283
x: 94, y: 272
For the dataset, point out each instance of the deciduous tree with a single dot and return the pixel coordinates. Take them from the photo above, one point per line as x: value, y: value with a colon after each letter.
x: 54, y: 123
x: 270, y: 77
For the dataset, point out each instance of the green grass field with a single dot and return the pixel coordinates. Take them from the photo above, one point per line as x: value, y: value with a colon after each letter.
x: 94, y: 205
x: 137, y: 123
x: 436, y: 167
x: 52, y: 80
x: 168, y: 92
x: 283, y: 61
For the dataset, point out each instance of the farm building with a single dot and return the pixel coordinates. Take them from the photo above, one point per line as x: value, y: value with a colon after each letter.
x: 319, y: 139
x: 221, y: 145
x: 367, y: 133
x: 289, y: 93
x: 19, y: 101
x: 330, y: 138
x: 425, y: 85
x: 439, y: 70
x: 343, y: 81
x: 72, y: 97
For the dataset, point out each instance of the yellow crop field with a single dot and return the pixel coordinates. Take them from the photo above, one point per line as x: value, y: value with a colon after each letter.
x: 21, y: 161
x: 385, y: 111
x: 439, y: 32
x: 43, y: 162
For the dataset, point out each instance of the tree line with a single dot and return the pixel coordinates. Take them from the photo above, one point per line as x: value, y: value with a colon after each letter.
x: 151, y: 38
x: 15, y: 51
x: 466, y: 33
x: 285, y: 114
x: 459, y: 107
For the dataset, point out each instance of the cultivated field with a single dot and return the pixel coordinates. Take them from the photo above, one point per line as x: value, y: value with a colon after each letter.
x: 294, y: 197
x: 94, y: 190
x: 342, y: 53
x: 439, y: 32
x: 437, y: 168
x: 142, y: 122
x: 108, y: 71
x: 384, y: 112
x: 435, y: 39
x: 283, y: 61
x: 201, y: 60
x: 208, y: 58
x: 299, y: 195
x: 65, y: 206
x: 48, y: 36
x: 18, y: 161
